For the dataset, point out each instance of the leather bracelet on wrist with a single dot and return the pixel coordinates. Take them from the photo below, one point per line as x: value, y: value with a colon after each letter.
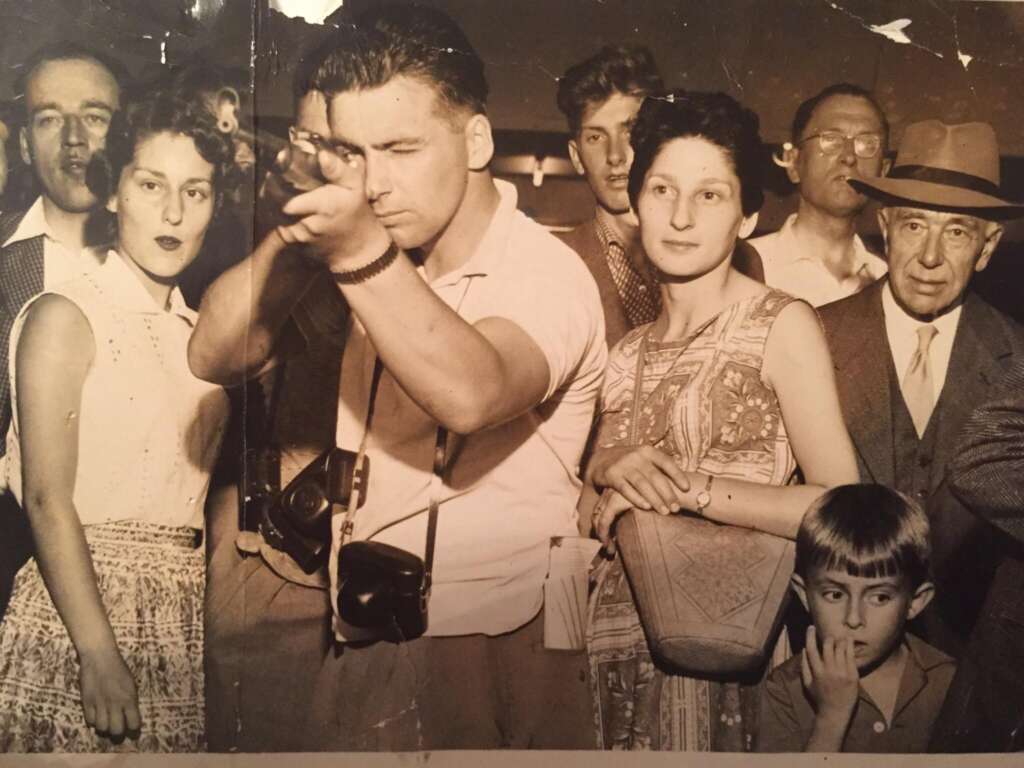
x: 365, y: 272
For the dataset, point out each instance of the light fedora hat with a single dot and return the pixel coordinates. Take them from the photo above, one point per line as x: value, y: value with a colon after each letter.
x: 945, y: 166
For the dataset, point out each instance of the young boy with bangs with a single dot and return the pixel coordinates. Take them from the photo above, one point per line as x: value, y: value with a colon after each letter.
x: 862, y: 684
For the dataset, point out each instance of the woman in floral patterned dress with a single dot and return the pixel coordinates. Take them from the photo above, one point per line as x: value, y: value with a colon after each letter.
x: 110, y: 453
x: 736, y: 389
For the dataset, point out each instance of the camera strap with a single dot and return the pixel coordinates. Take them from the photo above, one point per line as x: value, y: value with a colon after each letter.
x: 436, y: 481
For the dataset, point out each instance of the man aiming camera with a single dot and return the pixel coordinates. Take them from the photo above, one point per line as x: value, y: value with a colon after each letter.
x: 484, y: 325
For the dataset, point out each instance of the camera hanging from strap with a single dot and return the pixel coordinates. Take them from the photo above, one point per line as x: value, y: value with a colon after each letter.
x: 384, y: 590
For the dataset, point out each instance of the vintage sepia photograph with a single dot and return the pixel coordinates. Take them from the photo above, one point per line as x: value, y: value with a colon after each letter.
x: 517, y: 380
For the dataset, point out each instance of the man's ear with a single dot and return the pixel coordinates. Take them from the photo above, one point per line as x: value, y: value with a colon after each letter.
x: 574, y: 156
x: 797, y: 582
x: 886, y: 166
x: 790, y: 155
x: 26, y: 151
x: 922, y: 596
x: 479, y: 142
x: 748, y: 225
x: 995, y: 234
x: 111, y: 204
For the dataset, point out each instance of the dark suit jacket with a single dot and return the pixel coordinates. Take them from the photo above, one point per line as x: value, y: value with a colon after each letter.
x: 585, y: 241
x: 985, y: 708
x: 987, y: 343
x: 17, y: 286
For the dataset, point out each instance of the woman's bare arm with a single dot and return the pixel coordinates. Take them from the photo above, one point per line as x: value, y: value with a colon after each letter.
x: 54, y: 353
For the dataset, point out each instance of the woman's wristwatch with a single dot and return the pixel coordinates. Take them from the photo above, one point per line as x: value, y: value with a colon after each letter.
x: 704, y: 497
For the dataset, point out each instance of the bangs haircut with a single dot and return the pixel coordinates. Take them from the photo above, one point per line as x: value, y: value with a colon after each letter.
x: 805, y: 111
x: 714, y: 117
x: 625, y: 69
x: 411, y: 41
x: 865, y: 530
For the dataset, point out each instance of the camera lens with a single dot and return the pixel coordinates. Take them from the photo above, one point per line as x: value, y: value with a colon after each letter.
x: 307, y: 507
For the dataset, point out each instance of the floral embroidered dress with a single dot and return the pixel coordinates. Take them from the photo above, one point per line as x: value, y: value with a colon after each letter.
x: 703, y: 401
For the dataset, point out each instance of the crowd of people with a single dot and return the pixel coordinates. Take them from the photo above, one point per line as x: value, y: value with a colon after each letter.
x: 325, y: 508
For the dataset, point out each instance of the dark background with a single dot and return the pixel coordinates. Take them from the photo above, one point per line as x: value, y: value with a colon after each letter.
x: 769, y: 54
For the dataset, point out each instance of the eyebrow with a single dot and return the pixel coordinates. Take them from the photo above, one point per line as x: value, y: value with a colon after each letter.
x: 884, y: 583
x: 706, y: 180
x: 151, y: 172
x: 91, y: 104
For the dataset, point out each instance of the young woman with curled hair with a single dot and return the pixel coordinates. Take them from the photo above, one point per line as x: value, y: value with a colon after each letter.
x: 109, y: 455
x: 736, y: 389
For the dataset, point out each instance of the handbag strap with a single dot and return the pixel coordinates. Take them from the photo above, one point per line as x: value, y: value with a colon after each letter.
x: 641, y: 358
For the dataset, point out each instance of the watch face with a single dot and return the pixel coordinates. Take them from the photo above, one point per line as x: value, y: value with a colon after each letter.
x: 703, y: 499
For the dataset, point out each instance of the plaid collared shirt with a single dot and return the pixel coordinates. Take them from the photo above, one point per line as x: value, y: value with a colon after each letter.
x: 640, y: 300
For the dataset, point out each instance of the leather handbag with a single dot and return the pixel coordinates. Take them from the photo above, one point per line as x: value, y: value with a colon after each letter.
x: 710, y: 596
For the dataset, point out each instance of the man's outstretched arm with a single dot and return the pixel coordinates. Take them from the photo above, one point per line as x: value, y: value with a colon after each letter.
x: 244, y: 311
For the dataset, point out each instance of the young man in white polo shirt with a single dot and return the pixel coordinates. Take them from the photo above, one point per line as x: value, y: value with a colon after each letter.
x: 484, y: 324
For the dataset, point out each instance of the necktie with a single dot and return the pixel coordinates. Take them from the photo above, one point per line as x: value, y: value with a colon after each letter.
x: 917, y: 381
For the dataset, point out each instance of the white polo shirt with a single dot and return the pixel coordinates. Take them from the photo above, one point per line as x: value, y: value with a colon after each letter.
x: 803, y: 274
x: 511, y: 488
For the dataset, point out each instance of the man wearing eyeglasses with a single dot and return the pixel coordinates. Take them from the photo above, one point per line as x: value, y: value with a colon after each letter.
x: 839, y: 134
x: 69, y: 95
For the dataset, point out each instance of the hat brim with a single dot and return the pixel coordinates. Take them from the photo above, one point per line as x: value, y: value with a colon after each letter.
x: 939, y: 196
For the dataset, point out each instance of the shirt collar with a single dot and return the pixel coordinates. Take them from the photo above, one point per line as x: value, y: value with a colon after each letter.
x: 606, y: 233
x: 900, y: 322
x: 921, y: 659
x: 863, y: 259
x: 122, y: 288
x: 32, y: 224
x: 491, y: 248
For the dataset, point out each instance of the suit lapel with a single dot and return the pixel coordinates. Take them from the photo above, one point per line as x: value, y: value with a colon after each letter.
x: 860, y: 351
x: 975, y: 364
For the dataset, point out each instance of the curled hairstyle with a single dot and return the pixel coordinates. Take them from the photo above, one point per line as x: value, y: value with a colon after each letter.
x: 625, y: 69
x: 404, y: 41
x: 715, y: 117
x: 805, y: 111
x: 165, y: 111
x: 865, y: 530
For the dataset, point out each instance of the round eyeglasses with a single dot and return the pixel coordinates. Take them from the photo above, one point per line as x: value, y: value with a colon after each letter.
x: 865, y: 145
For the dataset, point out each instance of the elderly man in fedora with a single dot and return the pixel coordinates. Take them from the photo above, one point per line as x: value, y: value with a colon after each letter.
x: 917, y: 351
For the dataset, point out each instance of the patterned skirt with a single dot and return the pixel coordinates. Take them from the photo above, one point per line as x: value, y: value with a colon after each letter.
x: 641, y: 706
x: 151, y: 579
